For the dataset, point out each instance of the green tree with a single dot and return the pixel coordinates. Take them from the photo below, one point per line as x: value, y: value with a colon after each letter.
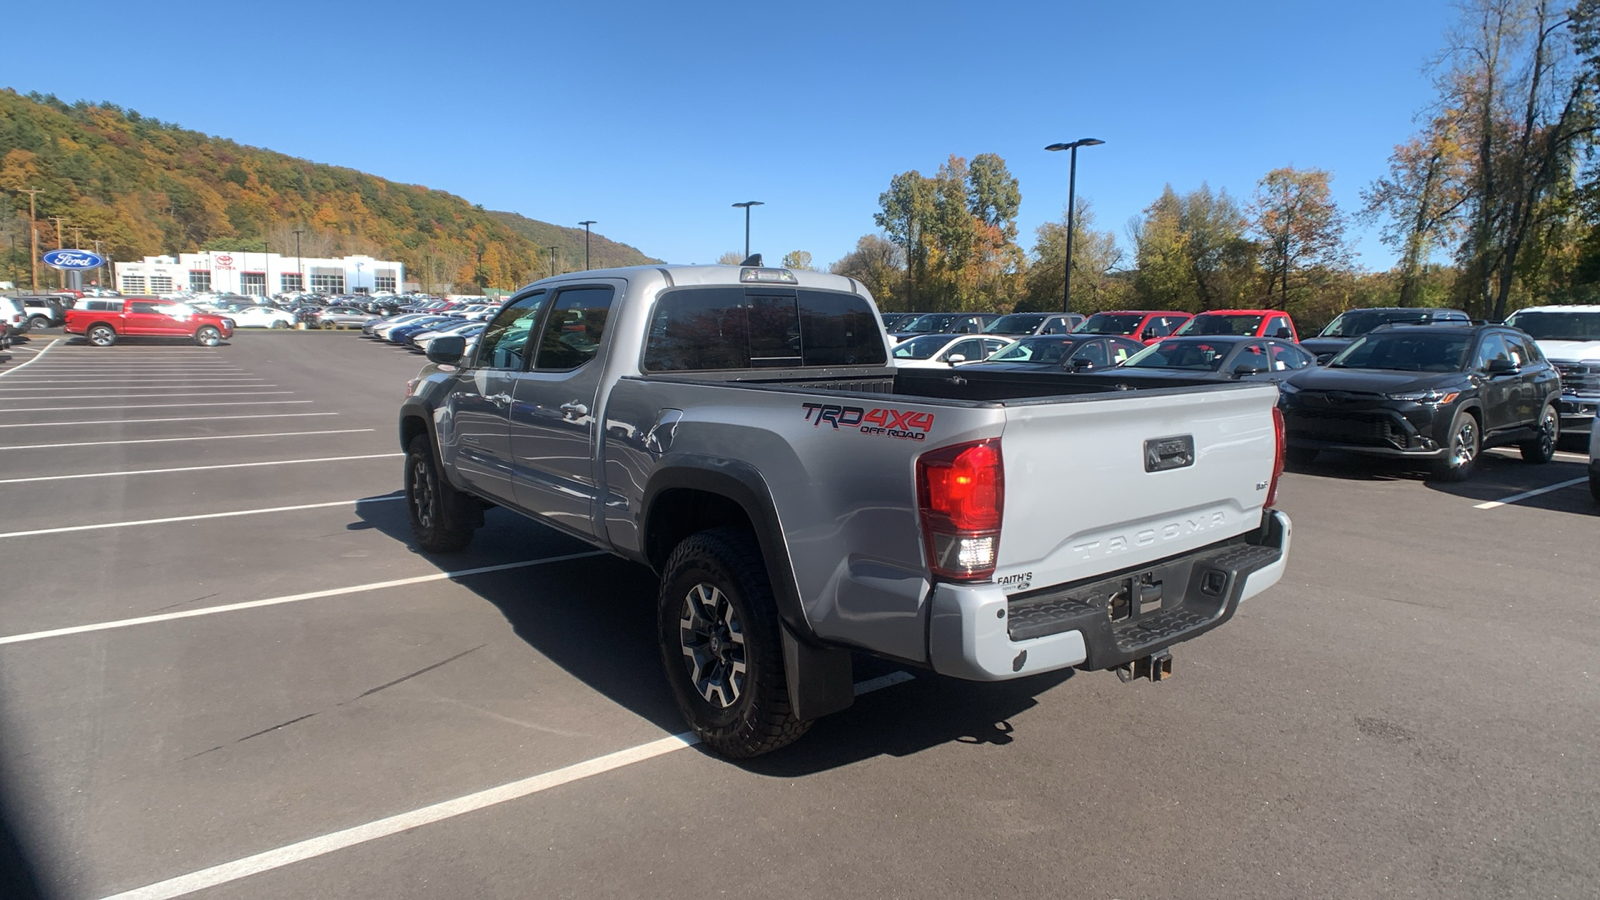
x: 797, y: 259
x: 1095, y: 257
x: 880, y: 265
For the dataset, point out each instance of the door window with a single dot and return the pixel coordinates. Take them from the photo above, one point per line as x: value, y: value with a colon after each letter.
x: 969, y: 350
x: 504, y: 344
x: 1493, y: 347
x: 1093, y: 353
x: 1287, y: 357
x: 573, y: 331
x: 141, y: 306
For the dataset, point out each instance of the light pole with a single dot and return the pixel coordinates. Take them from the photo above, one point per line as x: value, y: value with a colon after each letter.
x: 1072, y: 202
x: 586, y: 223
x: 33, y: 226
x: 552, y: 261
x: 357, y: 288
x: 747, y: 204
x: 299, y: 268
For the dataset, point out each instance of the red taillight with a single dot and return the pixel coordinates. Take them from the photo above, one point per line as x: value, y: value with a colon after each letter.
x: 961, y: 494
x: 1277, y: 463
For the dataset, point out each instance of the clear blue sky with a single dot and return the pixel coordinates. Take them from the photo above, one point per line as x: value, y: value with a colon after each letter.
x: 652, y: 118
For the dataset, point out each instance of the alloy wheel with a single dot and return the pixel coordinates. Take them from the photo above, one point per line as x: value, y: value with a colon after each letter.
x: 1464, y: 444
x: 422, y: 493
x: 712, y: 638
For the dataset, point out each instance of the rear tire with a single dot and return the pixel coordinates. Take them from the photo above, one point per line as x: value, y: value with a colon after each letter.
x: 279, y: 323
x: 102, y: 335
x: 718, y: 628
x: 208, y: 336
x: 1466, y: 443
x: 434, y: 507
x: 1542, y: 449
x: 38, y: 323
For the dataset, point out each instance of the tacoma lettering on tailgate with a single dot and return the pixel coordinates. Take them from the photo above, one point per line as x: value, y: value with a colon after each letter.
x: 907, y: 424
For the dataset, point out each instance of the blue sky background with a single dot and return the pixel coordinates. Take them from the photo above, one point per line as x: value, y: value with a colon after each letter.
x: 652, y: 118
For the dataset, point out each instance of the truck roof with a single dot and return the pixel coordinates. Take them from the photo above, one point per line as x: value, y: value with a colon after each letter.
x: 771, y: 276
x: 1583, y: 308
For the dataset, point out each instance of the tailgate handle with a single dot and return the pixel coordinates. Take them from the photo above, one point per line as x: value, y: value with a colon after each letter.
x: 1165, y: 453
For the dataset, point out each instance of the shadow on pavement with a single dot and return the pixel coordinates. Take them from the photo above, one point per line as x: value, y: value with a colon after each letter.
x: 595, y: 618
x: 19, y: 876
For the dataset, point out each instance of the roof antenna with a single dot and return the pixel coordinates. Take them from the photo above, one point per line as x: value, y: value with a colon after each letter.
x: 753, y: 259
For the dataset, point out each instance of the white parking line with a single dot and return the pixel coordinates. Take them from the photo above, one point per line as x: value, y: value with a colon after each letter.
x: 437, y: 812
x: 208, y: 437
x: 114, y: 387
x: 47, y: 379
x: 173, y: 419
x: 248, y: 465
x: 162, y: 394
x: 1494, y: 504
x: 195, y: 518
x: 292, y: 598
x: 157, y: 406
x: 36, y: 357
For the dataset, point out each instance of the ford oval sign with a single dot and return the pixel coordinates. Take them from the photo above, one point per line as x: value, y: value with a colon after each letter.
x: 72, y: 259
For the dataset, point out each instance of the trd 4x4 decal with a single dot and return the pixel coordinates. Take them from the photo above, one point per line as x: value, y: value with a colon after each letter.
x: 905, y: 424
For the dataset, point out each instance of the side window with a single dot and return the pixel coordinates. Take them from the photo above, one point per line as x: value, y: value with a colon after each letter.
x: 1255, y: 355
x: 573, y: 330
x: 1493, y: 347
x: 1163, y: 326
x: 1055, y: 325
x: 697, y: 328
x: 1518, y: 350
x: 969, y: 350
x: 140, y: 306
x: 1530, y: 350
x: 1092, y: 352
x: 1120, y: 352
x: 504, y: 344
x: 990, y: 345
x: 1286, y: 357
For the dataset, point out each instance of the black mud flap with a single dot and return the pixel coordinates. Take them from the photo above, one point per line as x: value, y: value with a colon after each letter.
x: 821, y: 680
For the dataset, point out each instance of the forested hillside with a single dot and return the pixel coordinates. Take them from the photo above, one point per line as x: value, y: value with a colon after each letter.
x: 142, y: 187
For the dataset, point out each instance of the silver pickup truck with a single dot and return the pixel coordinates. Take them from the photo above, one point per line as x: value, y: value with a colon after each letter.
x: 742, y: 431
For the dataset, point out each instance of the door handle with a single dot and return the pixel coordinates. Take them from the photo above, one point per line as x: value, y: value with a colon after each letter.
x: 499, y: 399
x: 573, y: 410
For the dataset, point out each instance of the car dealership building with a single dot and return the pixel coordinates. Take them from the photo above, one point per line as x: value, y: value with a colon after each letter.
x: 248, y: 272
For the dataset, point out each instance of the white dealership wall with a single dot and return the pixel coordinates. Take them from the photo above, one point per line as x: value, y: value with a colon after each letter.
x: 241, y: 272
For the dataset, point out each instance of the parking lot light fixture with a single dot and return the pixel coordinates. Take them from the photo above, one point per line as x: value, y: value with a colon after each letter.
x: 586, y: 223
x: 746, y: 205
x: 1072, y: 201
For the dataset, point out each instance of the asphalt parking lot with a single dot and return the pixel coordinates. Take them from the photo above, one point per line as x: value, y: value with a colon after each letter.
x: 223, y: 670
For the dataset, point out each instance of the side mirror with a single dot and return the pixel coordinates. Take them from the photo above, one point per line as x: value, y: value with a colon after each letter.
x: 1324, y: 358
x: 1080, y: 365
x: 1149, y: 334
x: 447, y: 349
x: 954, y: 358
x: 1284, y: 332
x: 1501, y: 366
x: 1247, y: 368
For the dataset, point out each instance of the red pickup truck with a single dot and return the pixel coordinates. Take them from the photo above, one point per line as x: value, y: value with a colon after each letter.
x: 104, y: 320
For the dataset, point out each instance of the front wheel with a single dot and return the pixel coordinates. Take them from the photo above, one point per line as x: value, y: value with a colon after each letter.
x: 718, y: 629
x: 1465, y: 444
x: 279, y: 323
x: 435, y: 508
x: 208, y: 336
x: 102, y: 335
x: 1542, y: 449
x: 38, y: 323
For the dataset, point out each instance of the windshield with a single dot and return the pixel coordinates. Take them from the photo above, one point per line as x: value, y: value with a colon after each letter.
x: 1558, y: 326
x: 931, y: 323
x: 1208, y: 323
x: 1110, y: 323
x: 1406, y: 351
x: 1016, y: 323
x: 921, y: 347
x: 1039, y: 350
x: 1195, y: 356
x: 1358, y: 322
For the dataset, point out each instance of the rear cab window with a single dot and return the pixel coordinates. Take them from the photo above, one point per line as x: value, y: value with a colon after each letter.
x: 734, y: 327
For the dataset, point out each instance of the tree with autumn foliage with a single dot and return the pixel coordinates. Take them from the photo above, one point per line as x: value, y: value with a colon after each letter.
x: 1095, y: 258
x: 1300, y: 232
x: 957, y: 231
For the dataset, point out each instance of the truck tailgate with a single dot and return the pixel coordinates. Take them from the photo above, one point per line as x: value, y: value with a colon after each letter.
x: 1110, y: 482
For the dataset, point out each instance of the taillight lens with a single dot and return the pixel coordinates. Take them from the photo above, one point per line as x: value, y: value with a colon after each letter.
x: 961, y: 495
x: 1277, y: 464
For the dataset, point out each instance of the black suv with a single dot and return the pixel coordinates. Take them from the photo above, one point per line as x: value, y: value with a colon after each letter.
x: 1436, y: 392
x: 1353, y: 323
